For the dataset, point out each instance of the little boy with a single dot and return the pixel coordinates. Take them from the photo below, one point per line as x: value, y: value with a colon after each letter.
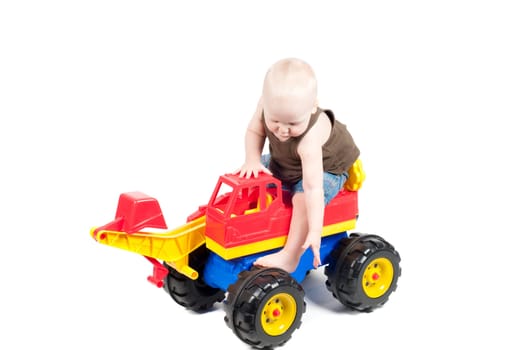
x: 310, y: 152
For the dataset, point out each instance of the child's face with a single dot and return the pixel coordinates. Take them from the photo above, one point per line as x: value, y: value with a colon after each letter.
x: 288, y: 117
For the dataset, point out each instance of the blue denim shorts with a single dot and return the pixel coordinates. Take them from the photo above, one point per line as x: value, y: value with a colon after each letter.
x: 332, y: 183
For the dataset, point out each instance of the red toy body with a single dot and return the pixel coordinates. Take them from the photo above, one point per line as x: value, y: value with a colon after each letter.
x: 246, y: 216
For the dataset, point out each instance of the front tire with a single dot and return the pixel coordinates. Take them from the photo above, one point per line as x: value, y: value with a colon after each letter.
x: 194, y: 295
x: 264, y: 307
x: 363, y: 271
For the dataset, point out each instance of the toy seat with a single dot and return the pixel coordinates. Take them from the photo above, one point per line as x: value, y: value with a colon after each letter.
x: 356, y: 176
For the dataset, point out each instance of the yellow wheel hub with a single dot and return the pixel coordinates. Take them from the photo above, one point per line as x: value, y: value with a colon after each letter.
x: 377, y: 277
x: 278, y: 314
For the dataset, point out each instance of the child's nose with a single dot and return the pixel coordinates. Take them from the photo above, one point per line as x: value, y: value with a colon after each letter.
x: 283, y: 128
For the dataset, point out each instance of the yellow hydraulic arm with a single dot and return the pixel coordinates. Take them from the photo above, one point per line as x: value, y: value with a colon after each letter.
x: 173, y: 247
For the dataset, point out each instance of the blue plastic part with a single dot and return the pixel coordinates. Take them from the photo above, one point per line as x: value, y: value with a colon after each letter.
x: 221, y: 273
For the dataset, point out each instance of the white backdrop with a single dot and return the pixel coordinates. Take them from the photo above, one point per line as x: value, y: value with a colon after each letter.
x: 103, y: 97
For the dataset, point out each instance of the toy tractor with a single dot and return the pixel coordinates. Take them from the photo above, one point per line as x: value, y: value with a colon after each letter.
x: 210, y: 258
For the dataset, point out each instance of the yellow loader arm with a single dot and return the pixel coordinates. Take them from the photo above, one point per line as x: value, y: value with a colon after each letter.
x: 173, y: 246
x: 137, y: 211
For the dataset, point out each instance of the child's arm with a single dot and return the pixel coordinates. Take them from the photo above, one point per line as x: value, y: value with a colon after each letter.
x: 254, y: 143
x: 310, y: 151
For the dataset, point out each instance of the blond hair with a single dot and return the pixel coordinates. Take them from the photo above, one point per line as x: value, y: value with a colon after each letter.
x: 290, y: 76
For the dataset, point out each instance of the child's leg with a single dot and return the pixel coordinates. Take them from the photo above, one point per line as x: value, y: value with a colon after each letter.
x: 289, y: 256
x: 332, y: 185
x: 265, y: 159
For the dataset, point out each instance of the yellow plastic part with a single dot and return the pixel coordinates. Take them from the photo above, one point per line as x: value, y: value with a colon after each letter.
x: 268, y: 200
x: 357, y: 177
x: 278, y: 314
x: 272, y: 243
x: 377, y: 277
x: 182, y: 267
x: 172, y: 246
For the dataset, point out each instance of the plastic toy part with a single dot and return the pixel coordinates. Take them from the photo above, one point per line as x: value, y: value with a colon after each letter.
x: 196, y: 294
x: 159, y: 274
x: 363, y: 271
x: 135, y: 211
x: 172, y: 246
x: 235, y: 230
x: 214, y: 273
x: 264, y: 307
x: 212, y: 255
x: 140, y: 211
x: 357, y: 177
x: 377, y: 277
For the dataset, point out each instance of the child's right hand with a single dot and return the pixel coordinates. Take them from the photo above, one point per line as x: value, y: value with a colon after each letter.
x: 249, y: 169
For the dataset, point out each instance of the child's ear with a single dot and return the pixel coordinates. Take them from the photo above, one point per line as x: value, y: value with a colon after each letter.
x: 315, y: 106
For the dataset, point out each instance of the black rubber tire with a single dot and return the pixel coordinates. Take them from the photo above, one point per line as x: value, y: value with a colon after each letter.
x: 349, y: 267
x: 194, y: 295
x: 251, y: 297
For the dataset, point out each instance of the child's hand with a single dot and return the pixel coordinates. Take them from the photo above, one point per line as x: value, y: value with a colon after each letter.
x: 248, y: 169
x: 313, y: 240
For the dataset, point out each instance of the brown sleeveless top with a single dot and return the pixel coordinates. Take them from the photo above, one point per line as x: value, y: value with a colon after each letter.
x: 339, y: 152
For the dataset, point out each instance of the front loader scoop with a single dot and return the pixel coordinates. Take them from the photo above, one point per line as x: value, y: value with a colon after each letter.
x: 135, y: 211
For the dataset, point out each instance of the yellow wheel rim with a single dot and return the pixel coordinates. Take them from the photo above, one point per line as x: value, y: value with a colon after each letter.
x: 278, y: 314
x: 377, y: 277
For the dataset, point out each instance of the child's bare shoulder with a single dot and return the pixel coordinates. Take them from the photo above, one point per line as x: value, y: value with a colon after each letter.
x: 319, y: 133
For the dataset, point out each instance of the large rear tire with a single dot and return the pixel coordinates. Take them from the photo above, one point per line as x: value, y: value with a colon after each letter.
x: 363, y: 271
x: 264, y: 307
x: 194, y: 295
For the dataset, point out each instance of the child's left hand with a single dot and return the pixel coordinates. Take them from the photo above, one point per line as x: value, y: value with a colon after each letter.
x: 313, y: 241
